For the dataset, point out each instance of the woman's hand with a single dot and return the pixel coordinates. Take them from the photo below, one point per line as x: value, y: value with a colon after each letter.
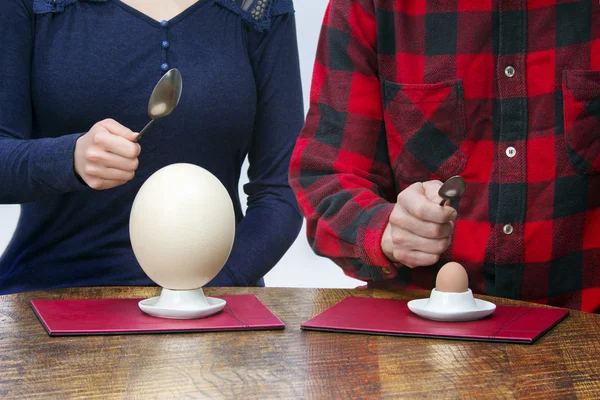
x: 106, y: 156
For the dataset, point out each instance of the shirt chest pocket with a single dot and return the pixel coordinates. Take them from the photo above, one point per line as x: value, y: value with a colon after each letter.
x: 425, y: 128
x: 581, y: 110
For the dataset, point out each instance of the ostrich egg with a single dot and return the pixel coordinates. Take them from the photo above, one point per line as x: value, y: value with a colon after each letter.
x: 182, y: 226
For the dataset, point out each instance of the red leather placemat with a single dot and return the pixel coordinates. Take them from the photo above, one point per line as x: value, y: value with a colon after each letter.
x: 392, y: 317
x: 120, y: 316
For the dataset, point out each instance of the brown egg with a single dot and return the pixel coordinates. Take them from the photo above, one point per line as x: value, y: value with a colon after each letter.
x: 452, y: 278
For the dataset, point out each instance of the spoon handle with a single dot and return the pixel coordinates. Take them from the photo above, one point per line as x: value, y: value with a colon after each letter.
x: 139, y: 136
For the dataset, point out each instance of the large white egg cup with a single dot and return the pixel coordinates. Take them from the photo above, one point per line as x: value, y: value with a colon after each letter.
x: 451, y: 307
x: 182, y: 228
x: 181, y: 304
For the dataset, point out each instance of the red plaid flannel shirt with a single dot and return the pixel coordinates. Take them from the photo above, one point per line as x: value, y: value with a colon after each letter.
x: 504, y: 93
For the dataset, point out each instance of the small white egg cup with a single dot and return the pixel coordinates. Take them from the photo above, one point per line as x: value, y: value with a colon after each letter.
x: 451, y: 307
x: 182, y: 304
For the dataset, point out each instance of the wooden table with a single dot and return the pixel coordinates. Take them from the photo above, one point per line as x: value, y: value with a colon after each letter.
x: 289, y: 363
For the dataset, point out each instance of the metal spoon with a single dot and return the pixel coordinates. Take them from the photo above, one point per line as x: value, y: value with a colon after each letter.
x: 453, y: 188
x: 164, y: 98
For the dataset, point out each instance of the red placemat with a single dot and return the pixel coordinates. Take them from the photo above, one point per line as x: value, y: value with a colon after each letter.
x: 392, y: 317
x: 123, y: 316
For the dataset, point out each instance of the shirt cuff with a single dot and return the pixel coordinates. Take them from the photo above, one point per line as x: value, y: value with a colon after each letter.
x: 371, y: 252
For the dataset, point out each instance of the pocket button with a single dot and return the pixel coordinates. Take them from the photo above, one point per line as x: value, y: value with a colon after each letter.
x: 507, y: 229
x: 511, y: 152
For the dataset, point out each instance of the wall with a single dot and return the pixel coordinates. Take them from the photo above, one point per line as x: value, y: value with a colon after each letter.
x: 300, y: 267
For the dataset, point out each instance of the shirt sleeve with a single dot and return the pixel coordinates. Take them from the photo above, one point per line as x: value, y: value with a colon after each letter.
x: 340, y: 170
x: 273, y: 219
x: 29, y: 168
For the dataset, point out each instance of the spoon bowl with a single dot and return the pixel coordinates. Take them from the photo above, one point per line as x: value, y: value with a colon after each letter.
x: 164, y: 98
x: 453, y: 188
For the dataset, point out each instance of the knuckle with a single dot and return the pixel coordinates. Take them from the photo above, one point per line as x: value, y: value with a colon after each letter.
x: 409, y: 192
x: 432, y: 185
x: 413, y: 259
x: 89, y: 170
x: 135, y: 164
x: 442, y: 245
x: 92, y: 154
x: 432, y: 259
x: 396, y: 217
x: 398, y: 239
x: 423, y: 259
x: 419, y: 211
x: 99, y: 138
x: 96, y: 184
x: 435, y: 184
x: 446, y: 243
x: 405, y: 194
x: 434, y: 231
x: 401, y: 256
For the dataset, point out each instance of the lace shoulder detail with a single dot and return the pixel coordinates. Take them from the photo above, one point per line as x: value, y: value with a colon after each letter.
x: 55, y: 6
x: 258, y: 13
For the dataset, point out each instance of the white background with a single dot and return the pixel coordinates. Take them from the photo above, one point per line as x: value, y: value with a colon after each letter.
x: 300, y: 267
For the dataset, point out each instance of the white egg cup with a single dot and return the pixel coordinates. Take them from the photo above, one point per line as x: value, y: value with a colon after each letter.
x: 451, y: 307
x: 182, y: 304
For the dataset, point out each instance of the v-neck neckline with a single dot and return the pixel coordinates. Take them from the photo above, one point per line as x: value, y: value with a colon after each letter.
x: 157, y: 24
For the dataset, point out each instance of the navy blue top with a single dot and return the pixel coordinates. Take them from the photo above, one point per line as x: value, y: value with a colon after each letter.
x: 67, y: 64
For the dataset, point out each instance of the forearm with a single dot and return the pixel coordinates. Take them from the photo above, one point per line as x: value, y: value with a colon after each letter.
x: 349, y: 225
x: 31, y: 169
x: 340, y: 170
x: 262, y: 238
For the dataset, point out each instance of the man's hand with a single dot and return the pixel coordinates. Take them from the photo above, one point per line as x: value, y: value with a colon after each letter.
x: 419, y: 229
x: 106, y: 156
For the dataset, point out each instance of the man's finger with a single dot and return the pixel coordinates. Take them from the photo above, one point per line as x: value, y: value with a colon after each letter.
x: 419, y: 206
x: 409, y: 240
x: 413, y: 259
x: 432, y: 189
x: 425, y: 229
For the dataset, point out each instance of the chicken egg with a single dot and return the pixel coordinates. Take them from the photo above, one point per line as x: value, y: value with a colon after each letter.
x: 452, y: 278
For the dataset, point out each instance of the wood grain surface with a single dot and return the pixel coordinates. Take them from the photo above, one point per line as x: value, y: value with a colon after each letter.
x: 288, y: 364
